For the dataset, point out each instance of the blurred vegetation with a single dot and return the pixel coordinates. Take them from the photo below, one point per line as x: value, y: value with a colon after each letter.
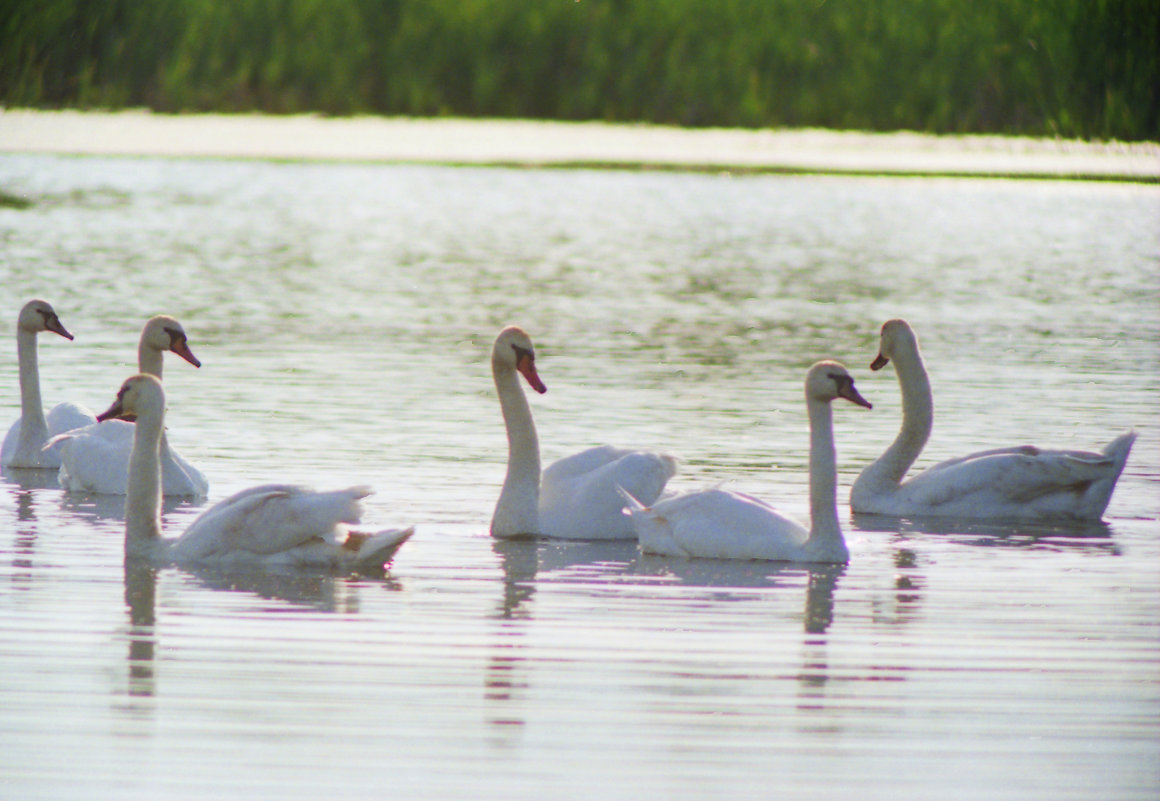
x: 1086, y: 68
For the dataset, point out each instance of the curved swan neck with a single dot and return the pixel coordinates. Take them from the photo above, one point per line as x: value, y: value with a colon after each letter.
x: 143, y: 492
x: 824, y: 526
x: 517, y: 512
x: 917, y: 420
x: 33, y: 426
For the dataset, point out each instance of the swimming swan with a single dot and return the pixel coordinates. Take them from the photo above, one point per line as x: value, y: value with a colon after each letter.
x: 272, y: 526
x: 96, y: 458
x: 720, y: 524
x: 24, y: 445
x: 1020, y: 482
x: 576, y: 497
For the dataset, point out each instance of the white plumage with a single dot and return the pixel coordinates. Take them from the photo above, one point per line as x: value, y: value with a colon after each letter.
x: 576, y: 497
x: 267, y: 527
x: 720, y: 524
x: 1021, y: 482
x: 95, y: 458
x: 27, y: 438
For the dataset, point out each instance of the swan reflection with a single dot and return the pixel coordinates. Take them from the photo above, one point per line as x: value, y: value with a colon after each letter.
x: 141, y: 602
x: 1085, y: 534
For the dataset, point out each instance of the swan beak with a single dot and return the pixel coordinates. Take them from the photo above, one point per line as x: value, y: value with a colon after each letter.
x: 847, y: 391
x: 182, y: 350
x: 527, y: 366
x: 879, y: 362
x: 54, y: 325
x: 114, y: 412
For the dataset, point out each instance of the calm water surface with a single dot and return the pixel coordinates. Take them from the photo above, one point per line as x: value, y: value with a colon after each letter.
x: 344, y: 314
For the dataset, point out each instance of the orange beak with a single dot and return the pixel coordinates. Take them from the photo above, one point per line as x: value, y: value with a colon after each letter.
x: 182, y: 350
x: 527, y: 366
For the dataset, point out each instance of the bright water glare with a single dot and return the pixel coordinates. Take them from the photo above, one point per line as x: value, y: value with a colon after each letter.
x: 343, y: 315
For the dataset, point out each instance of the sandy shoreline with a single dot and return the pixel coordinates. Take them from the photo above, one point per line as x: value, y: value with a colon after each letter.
x: 533, y: 143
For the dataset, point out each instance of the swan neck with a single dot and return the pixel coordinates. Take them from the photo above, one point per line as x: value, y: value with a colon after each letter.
x: 917, y: 421
x: 149, y: 359
x: 33, y: 424
x: 824, y: 526
x: 518, y: 503
x: 143, y: 491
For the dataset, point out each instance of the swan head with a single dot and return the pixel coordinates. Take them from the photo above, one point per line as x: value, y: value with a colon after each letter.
x: 827, y: 381
x: 897, y: 336
x: 162, y: 333
x: 513, y: 350
x: 139, y: 395
x: 38, y: 315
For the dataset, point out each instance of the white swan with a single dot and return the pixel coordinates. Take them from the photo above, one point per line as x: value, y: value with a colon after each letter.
x: 576, y: 497
x: 270, y: 527
x: 720, y: 524
x: 24, y: 445
x: 1021, y: 482
x: 96, y: 458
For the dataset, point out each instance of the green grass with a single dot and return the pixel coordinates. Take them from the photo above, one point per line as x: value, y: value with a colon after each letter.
x: 1073, y: 68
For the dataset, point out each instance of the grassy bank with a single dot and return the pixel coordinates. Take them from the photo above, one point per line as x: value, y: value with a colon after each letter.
x: 1074, y: 68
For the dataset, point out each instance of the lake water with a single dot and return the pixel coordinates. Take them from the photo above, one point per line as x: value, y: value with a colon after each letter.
x: 343, y: 314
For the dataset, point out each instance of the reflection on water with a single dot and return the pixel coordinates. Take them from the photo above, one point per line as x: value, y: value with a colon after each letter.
x: 141, y: 600
x: 344, y: 313
x: 1086, y: 534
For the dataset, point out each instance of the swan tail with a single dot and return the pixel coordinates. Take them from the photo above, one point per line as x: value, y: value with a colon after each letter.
x: 1119, y: 448
x: 1100, y: 493
x: 373, y: 551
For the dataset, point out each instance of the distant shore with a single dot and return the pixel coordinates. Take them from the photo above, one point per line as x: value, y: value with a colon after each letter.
x: 529, y: 143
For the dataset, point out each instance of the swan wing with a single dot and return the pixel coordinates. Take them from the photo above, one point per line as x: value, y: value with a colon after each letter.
x: 1019, y: 482
x: 68, y: 416
x: 269, y: 520
x: 587, y: 503
x: 718, y: 524
x: 95, y: 458
x: 568, y: 468
x: 178, y: 476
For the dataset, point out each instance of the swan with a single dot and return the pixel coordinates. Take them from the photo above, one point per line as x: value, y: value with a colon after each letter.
x: 96, y: 458
x: 720, y: 524
x: 25, y: 443
x: 271, y: 526
x: 577, y: 497
x: 1020, y: 482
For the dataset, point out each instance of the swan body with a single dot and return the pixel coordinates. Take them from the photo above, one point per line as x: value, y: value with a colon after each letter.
x: 95, y: 458
x: 1022, y: 482
x: 720, y: 524
x: 576, y: 497
x: 267, y: 527
x: 27, y: 438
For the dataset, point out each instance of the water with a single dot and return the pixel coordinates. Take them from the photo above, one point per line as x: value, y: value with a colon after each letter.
x: 344, y: 313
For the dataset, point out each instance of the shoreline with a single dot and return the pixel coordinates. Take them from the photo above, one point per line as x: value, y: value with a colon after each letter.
x: 593, y: 145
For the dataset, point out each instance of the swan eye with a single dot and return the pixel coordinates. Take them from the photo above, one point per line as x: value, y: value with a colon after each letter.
x: 842, y: 381
x: 175, y: 337
x: 522, y: 353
